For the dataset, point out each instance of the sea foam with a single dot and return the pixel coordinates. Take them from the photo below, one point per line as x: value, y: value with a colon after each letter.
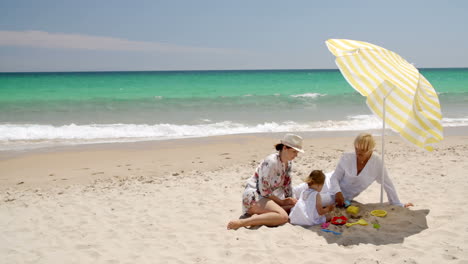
x: 308, y: 95
x: 13, y: 135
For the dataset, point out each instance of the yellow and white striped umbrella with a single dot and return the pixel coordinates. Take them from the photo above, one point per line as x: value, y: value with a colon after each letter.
x: 411, y: 104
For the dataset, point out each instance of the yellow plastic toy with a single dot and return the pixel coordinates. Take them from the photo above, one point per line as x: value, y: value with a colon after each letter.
x: 359, y: 222
x: 352, y: 209
x: 379, y: 213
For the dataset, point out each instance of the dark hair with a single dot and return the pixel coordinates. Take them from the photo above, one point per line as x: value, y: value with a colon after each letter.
x: 280, y: 146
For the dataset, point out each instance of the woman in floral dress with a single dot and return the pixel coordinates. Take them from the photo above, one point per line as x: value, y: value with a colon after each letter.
x: 267, y: 195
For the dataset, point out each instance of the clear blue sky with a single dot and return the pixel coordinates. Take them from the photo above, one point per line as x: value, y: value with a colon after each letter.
x: 88, y: 35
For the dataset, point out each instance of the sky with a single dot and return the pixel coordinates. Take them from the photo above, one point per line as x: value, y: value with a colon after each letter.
x: 98, y: 35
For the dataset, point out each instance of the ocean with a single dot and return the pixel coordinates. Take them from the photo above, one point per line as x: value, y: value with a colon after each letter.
x: 50, y: 109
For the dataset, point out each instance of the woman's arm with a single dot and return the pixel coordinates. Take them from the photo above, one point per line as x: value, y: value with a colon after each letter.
x: 288, y: 189
x: 337, y: 176
x: 388, y: 186
x: 288, y: 201
x: 265, y: 173
x: 339, y: 199
x: 335, y: 180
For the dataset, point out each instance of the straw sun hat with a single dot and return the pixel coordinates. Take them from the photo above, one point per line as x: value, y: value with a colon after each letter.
x: 293, y: 141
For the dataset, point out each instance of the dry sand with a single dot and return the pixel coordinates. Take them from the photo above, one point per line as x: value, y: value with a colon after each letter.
x: 170, y: 201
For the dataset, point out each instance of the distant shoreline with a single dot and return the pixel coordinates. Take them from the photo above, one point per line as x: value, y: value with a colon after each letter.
x: 138, y: 144
x: 195, y: 71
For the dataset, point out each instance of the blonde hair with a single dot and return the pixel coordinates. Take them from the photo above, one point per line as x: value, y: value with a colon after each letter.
x: 316, y: 176
x: 364, y: 141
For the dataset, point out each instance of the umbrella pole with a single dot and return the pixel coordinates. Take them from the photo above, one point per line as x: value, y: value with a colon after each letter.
x: 383, y: 145
x: 383, y: 152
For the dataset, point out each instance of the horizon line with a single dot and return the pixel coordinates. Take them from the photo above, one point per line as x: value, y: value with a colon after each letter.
x: 206, y: 70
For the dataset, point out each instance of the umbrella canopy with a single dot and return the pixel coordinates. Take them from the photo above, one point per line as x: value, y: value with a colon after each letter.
x: 395, y: 90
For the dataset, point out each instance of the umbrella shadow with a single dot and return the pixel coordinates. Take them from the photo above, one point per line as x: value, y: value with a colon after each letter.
x: 398, y: 224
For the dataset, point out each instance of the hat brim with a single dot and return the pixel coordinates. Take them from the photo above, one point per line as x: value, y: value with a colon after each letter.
x: 296, y: 148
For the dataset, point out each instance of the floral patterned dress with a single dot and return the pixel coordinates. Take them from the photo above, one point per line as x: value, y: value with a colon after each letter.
x: 270, y: 178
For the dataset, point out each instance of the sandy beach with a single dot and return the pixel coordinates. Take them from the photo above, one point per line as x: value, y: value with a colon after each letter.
x: 169, y: 202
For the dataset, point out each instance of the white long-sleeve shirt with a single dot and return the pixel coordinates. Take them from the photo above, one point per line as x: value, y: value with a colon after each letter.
x: 346, y: 180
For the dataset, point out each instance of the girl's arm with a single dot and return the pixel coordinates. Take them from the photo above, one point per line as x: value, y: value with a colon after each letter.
x: 318, y: 205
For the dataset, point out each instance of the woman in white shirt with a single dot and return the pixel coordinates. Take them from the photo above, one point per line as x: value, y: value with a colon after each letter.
x: 359, y: 169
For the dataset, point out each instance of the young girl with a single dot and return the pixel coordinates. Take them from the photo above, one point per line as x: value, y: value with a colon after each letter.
x: 308, y: 209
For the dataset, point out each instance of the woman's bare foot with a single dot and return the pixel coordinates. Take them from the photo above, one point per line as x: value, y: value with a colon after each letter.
x: 235, y: 224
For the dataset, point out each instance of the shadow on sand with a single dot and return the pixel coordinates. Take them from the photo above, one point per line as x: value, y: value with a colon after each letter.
x: 398, y: 224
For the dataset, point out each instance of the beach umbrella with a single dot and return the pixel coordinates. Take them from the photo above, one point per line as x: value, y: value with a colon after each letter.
x: 395, y: 90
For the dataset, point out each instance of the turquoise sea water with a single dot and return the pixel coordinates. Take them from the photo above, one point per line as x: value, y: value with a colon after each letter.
x: 116, y: 106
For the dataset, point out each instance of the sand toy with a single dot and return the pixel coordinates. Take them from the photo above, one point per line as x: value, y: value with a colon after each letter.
x: 379, y: 213
x: 339, y: 220
x: 359, y: 222
x: 347, y: 203
x: 352, y: 209
x: 331, y: 231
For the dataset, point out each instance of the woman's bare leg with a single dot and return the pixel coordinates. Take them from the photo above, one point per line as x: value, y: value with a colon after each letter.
x: 265, y: 212
x: 287, y: 208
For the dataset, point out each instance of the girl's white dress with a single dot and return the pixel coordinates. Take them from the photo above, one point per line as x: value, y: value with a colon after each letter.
x: 305, y: 211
